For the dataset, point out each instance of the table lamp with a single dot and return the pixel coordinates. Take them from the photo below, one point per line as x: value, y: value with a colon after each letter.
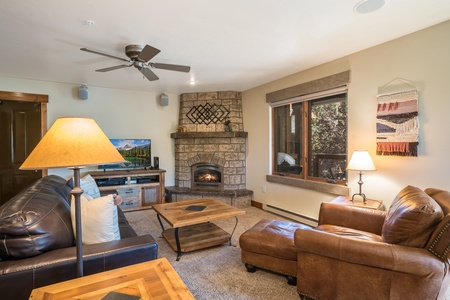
x: 361, y: 161
x: 73, y: 143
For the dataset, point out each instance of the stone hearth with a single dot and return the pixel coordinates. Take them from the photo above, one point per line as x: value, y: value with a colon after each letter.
x: 202, y: 143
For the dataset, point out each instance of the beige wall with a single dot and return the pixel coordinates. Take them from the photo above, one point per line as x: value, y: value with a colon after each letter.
x: 423, y: 58
x: 120, y: 113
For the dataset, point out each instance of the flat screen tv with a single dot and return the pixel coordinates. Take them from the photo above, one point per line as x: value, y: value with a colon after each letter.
x: 137, y: 154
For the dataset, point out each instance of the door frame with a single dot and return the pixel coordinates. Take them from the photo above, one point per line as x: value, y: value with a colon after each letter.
x: 26, y: 97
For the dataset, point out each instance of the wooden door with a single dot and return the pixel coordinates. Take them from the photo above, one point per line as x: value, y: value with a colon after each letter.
x: 21, y: 127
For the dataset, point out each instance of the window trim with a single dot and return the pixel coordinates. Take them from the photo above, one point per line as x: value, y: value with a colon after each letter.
x: 304, y: 160
x: 310, y: 87
x: 313, y: 96
x: 331, y: 188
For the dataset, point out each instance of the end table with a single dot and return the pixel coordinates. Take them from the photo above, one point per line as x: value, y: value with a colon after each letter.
x: 370, y: 203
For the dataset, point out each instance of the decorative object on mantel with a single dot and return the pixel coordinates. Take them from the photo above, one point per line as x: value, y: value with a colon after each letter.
x: 398, y: 119
x: 207, y: 114
x: 227, y: 124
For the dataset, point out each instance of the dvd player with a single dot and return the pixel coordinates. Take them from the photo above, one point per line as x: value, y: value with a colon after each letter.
x: 110, y: 181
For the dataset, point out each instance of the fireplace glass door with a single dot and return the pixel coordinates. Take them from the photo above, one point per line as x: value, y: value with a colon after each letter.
x: 207, y: 176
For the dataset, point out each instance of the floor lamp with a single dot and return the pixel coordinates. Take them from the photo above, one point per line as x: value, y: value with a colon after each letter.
x: 361, y: 161
x: 73, y: 143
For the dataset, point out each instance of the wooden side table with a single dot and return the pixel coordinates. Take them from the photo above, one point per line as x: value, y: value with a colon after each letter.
x: 155, y: 279
x: 370, y: 203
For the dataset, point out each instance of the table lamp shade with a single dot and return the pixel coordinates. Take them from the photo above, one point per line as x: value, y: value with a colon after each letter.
x: 361, y: 161
x: 72, y: 142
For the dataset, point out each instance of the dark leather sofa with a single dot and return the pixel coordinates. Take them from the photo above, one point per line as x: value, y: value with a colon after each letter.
x: 37, y: 246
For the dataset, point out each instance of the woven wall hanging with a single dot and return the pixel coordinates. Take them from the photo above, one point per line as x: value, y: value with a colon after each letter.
x: 398, y: 121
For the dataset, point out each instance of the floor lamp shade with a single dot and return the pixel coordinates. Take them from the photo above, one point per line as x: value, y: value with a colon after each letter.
x: 73, y: 143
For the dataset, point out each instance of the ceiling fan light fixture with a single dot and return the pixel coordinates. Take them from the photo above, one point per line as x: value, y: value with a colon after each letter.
x: 368, y: 6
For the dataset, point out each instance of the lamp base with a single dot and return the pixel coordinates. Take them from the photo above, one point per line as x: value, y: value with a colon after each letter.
x: 359, y: 194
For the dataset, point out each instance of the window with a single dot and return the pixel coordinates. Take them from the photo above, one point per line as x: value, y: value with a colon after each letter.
x: 310, y: 136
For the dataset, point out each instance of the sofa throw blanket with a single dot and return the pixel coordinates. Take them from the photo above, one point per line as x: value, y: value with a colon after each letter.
x: 398, y: 124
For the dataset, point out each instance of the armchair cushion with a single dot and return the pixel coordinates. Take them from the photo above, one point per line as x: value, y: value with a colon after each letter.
x: 411, y: 219
x: 349, y: 232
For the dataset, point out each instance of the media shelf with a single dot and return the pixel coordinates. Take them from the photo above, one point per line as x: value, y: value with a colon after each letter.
x: 139, y: 189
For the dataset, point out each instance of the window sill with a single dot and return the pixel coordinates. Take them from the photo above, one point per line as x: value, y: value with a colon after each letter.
x: 335, y: 189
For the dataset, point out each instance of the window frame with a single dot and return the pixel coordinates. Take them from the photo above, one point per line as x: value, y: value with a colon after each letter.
x: 305, y: 141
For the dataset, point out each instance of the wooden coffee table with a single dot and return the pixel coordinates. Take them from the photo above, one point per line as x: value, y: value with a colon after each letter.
x: 191, y: 223
x: 154, y: 279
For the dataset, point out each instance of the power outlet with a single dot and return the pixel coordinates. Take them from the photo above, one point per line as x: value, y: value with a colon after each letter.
x: 264, y: 189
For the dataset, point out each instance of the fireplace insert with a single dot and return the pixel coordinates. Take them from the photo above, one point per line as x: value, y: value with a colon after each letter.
x: 207, y: 176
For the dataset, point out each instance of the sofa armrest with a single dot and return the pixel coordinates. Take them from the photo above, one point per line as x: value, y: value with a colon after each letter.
x: 410, y: 260
x: 439, y: 243
x: 363, y: 219
x: 60, y: 265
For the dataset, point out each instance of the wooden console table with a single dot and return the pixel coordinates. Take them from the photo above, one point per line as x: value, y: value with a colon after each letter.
x: 138, y: 188
x: 154, y: 279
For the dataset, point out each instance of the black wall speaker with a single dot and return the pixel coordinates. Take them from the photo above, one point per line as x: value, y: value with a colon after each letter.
x: 156, y: 162
x: 164, y: 100
x: 83, y: 92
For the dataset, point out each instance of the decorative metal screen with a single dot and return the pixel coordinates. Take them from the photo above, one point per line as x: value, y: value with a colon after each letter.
x: 207, y: 114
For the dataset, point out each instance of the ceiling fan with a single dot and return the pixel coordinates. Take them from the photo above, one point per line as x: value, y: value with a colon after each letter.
x: 139, y: 57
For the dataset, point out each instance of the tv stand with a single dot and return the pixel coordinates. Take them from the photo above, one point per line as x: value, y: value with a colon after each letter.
x: 139, y: 189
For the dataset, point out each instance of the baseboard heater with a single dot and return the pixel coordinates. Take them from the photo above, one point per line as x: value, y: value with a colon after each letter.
x: 291, y: 215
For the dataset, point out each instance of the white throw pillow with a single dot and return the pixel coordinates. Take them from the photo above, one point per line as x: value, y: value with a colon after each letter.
x: 89, y: 186
x: 99, y: 219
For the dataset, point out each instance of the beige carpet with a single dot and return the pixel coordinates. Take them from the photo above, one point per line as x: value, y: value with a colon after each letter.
x: 218, y: 273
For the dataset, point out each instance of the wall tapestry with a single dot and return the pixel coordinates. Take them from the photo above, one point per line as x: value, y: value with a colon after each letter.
x: 398, y: 123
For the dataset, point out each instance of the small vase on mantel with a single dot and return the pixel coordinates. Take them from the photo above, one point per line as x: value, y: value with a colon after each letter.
x: 227, y: 125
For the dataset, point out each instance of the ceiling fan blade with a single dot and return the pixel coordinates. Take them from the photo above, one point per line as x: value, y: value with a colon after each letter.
x: 170, y: 67
x: 148, y: 53
x: 104, y: 54
x: 113, y: 68
x: 149, y: 74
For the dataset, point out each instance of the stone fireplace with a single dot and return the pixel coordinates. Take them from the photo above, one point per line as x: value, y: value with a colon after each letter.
x: 209, y: 144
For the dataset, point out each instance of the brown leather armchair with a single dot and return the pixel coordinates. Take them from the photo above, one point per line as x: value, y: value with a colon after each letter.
x: 356, y: 253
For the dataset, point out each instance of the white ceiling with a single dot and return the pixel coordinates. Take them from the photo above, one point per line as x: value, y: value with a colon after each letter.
x: 229, y: 44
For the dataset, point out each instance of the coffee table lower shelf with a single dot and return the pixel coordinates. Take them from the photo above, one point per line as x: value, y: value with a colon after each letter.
x: 196, y: 237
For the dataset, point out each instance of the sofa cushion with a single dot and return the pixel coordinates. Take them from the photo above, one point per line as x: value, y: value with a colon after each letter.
x: 411, y: 218
x: 99, y: 219
x: 36, y: 220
